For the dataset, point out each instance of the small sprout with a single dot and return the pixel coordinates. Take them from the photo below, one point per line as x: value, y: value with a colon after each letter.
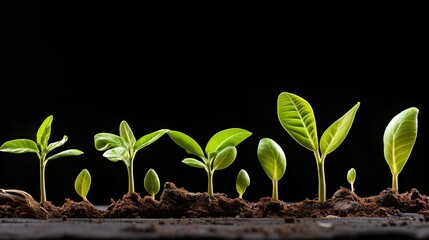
x: 41, y: 148
x: 220, y: 151
x: 351, y: 177
x: 83, y: 183
x: 242, y: 182
x: 151, y: 183
x: 297, y: 118
x: 124, y: 147
x: 399, y: 138
x: 273, y: 161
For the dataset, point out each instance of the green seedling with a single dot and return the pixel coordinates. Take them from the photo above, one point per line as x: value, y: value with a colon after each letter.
x: 242, y: 182
x: 151, y: 183
x: 125, y: 147
x: 297, y: 118
x: 82, y: 184
x: 351, y: 177
x: 399, y: 138
x: 41, y: 148
x: 273, y: 161
x: 220, y: 151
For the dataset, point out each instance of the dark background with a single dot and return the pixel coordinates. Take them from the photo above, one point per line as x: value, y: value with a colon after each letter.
x: 203, y: 66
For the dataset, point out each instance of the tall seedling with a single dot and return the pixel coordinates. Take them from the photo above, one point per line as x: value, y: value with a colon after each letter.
x: 220, y: 151
x: 41, y: 148
x: 125, y: 147
x: 297, y: 118
x: 399, y: 138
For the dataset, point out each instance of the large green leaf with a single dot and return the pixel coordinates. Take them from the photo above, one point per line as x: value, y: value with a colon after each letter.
x: 337, y: 132
x: 126, y: 133
x: 226, y: 138
x: 44, y: 133
x: 83, y: 183
x: 104, y: 141
x: 225, y: 158
x: 117, y: 154
x: 149, y: 138
x: 186, y: 142
x: 399, y: 138
x: 19, y: 146
x: 272, y: 158
x: 297, y: 118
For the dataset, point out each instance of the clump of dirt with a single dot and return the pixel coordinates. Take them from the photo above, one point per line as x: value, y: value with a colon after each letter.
x: 177, y: 202
x: 19, y: 204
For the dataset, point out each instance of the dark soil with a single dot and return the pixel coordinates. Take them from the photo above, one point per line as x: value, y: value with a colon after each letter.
x: 177, y: 202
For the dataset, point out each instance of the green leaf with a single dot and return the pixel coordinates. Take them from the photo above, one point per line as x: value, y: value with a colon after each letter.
x: 242, y: 182
x: 399, y: 138
x: 351, y: 176
x: 70, y: 152
x: 149, y: 138
x: 104, y: 141
x: 83, y: 183
x: 19, y: 146
x: 151, y: 182
x: 117, y: 154
x: 192, y: 162
x: 55, y: 145
x: 225, y: 158
x: 186, y: 142
x: 337, y: 132
x: 226, y: 138
x: 297, y: 118
x: 44, y: 133
x: 272, y: 158
x: 127, y: 134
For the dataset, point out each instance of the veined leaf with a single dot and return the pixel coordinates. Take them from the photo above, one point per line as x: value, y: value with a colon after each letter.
x: 126, y: 133
x: 297, y: 118
x: 186, y: 142
x: 149, y: 138
x: 399, y: 138
x: 57, y: 144
x: 226, y: 138
x: 104, y: 141
x: 70, y: 152
x: 337, y: 132
x: 225, y: 158
x: 19, y: 146
x: 83, y: 183
x: 192, y: 162
x: 242, y: 182
x: 151, y: 182
x: 44, y: 133
x: 117, y: 154
x: 272, y: 158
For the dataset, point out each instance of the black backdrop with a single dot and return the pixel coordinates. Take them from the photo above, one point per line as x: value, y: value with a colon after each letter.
x: 201, y: 67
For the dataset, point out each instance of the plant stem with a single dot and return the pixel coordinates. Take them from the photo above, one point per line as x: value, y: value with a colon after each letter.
x: 210, y: 183
x: 395, y: 182
x: 322, y: 183
x: 42, y: 182
x: 130, y: 177
x: 275, y: 195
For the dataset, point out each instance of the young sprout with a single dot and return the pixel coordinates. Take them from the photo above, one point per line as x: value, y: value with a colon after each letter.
x: 297, y: 118
x: 351, y: 177
x: 399, y: 138
x: 273, y: 161
x: 42, y: 149
x: 125, y: 147
x: 242, y: 182
x: 220, y: 151
x: 151, y: 183
x: 82, y: 184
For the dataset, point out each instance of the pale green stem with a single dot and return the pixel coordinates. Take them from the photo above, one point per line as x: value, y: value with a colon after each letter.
x: 395, y: 182
x: 352, y: 186
x: 275, y: 195
x: 210, y: 183
x: 321, y: 177
x: 130, y: 177
x: 42, y: 182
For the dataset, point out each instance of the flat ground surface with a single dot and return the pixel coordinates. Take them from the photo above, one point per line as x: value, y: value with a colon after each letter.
x: 408, y: 226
